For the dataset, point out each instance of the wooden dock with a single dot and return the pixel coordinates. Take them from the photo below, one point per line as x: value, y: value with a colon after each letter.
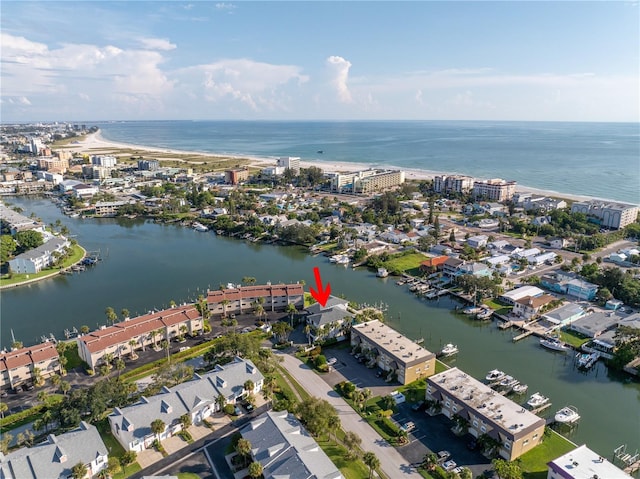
x: 540, y: 408
x: 522, y: 336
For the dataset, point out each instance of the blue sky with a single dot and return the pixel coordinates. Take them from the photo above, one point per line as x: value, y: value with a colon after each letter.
x: 558, y: 61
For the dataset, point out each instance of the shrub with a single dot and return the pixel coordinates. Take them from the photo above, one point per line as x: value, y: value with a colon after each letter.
x: 229, y: 409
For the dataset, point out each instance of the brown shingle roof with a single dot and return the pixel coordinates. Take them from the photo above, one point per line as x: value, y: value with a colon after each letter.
x: 25, y: 356
x: 245, y: 292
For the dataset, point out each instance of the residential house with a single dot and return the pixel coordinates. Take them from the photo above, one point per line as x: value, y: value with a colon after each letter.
x: 83, y: 191
x: 451, y: 267
x: 478, y: 242
x: 39, y: 258
x: 516, y: 429
x: 329, y: 321
x: 541, y: 220
x: 430, y: 265
x: 565, y: 314
x: 557, y: 243
x: 17, y: 367
x: 543, y: 258
x: 138, y: 333
x: 594, y: 324
x: 498, y: 245
x: 581, y: 289
x: 285, y: 449
x: 583, y: 463
x: 197, y: 398
x: 510, y: 297
x: 15, y: 221
x: 392, y: 352
x: 529, y: 306
x: 498, y: 260
x: 55, y: 457
x: 243, y: 299
x: 526, y: 254
x: 474, y: 269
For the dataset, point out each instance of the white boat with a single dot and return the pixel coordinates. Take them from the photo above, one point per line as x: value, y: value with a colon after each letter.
x: 567, y: 415
x: 339, y: 259
x: 585, y: 361
x: 536, y: 400
x: 494, y: 375
x: 449, y: 350
x: 553, y: 343
x: 508, y: 382
x: 199, y: 227
x: 520, y: 388
x: 484, y: 314
x: 382, y: 273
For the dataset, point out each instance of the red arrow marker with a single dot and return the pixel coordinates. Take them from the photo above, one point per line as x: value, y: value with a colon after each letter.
x: 320, y: 295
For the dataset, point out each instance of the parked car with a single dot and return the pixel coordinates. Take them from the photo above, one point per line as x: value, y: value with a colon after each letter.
x: 408, y: 426
x: 443, y: 456
x: 236, y: 411
x: 449, y: 465
x: 331, y: 361
x: 417, y: 406
x: 248, y: 406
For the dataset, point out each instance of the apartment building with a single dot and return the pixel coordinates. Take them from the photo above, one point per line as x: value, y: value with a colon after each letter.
x: 583, y: 463
x: 495, y: 189
x: 17, y: 367
x: 610, y: 215
x: 15, y: 221
x: 139, y: 333
x: 53, y: 164
x: 487, y: 412
x: 109, y: 208
x: 197, y: 398
x: 243, y: 299
x: 452, y: 184
x: 367, y: 181
x: 393, y: 352
x: 36, y: 259
x: 105, y: 161
x: 291, y: 162
x: 56, y: 456
x: 237, y: 176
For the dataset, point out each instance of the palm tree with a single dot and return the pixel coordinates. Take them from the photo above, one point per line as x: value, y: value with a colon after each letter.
x: 372, y: 461
x: 258, y: 310
x: 112, y: 317
x: 221, y: 401
x: 249, y: 280
x: 3, y: 409
x: 183, y: 331
x: 249, y: 385
x: 224, y: 303
x: 333, y: 423
x: 129, y: 457
x: 36, y: 375
x: 243, y: 448
x: 154, y: 334
x: 157, y: 427
x: 430, y: 461
x: 79, y: 471
x: 84, y: 329
x: 307, y: 331
x: 107, y: 358
x: 132, y: 344
x: 65, y: 387
x: 120, y: 365
x: 291, y: 311
x: 185, y: 421
x: 164, y: 344
x: 125, y: 313
x: 255, y: 470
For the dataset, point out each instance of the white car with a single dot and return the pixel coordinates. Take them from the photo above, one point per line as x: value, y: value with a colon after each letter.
x: 408, y: 426
x: 449, y: 466
x: 332, y: 361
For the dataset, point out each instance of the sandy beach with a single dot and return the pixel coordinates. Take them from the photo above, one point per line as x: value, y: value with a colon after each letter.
x: 95, y: 143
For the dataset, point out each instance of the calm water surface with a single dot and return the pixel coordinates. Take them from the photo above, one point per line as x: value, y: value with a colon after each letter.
x: 147, y: 265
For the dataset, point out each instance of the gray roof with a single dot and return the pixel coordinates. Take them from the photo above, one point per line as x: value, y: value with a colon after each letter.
x: 326, y: 316
x: 565, y: 312
x: 55, y: 457
x: 332, y: 301
x: 596, y: 323
x: 46, y: 248
x: 286, y: 450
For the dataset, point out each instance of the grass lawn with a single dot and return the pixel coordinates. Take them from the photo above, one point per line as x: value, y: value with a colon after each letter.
x: 28, y: 415
x: 534, y: 462
x: 498, y: 307
x: 71, y: 353
x: 574, y: 339
x: 337, y: 453
x: 15, y: 278
x: 406, y: 263
x: 128, y: 471
x: 440, y: 366
x: 301, y: 391
x: 188, y: 475
x: 414, y: 391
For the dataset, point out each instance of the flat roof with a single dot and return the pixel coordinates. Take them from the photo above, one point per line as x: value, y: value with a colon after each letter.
x: 491, y: 405
x: 391, y: 341
x: 583, y: 463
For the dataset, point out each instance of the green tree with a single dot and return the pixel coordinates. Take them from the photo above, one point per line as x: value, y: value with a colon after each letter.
x: 352, y: 442
x: 507, y: 470
x: 129, y: 457
x: 79, y: 471
x: 282, y: 330
x: 185, y: 421
x: 157, y: 427
x: 255, y: 470
x: 3, y: 409
x: 113, y: 466
x: 243, y: 448
x: 125, y: 313
x: 7, y: 248
x: 249, y: 280
x: 315, y: 413
x: 111, y: 315
x: 29, y: 239
x: 371, y: 461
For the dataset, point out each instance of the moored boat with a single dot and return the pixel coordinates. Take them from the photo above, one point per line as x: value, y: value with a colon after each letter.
x: 199, y: 227
x: 508, y: 382
x: 484, y: 313
x: 520, y: 388
x: 567, y: 415
x: 536, y: 400
x: 449, y: 350
x: 586, y: 361
x: 494, y: 375
x: 382, y: 273
x: 553, y: 343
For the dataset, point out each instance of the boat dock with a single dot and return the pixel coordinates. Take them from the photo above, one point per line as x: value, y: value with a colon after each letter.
x: 522, y: 336
x: 631, y: 462
x: 541, y: 408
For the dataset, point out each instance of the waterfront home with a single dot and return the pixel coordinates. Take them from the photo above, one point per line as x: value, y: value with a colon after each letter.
x: 515, y: 429
x: 581, y: 289
x: 430, y: 265
x: 143, y: 331
x: 609, y: 214
x: 21, y: 366
x: 510, y: 297
x: 285, y: 449
x: 109, y: 208
x: 474, y: 269
x: 197, y: 398
x: 83, y: 191
x: 40, y: 257
x: 451, y: 267
x: 392, y: 352
x: 530, y: 306
x: 55, y: 457
x: 477, y: 242
x: 583, y: 463
x: 594, y: 324
x: 565, y: 314
x: 329, y: 321
x: 244, y: 298
x: 613, y: 304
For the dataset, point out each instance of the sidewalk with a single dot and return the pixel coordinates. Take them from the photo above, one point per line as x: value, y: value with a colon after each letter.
x: 391, y: 461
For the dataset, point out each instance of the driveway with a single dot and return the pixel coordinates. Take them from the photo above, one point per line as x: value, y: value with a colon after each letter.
x: 391, y: 461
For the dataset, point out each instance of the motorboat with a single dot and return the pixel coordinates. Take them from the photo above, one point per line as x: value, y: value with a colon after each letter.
x: 520, y: 388
x: 382, y: 273
x: 449, y: 350
x: 484, y: 313
x: 536, y: 400
x: 567, y: 415
x: 508, y: 382
x: 553, y: 343
x: 586, y: 361
x: 494, y: 375
x: 339, y: 259
x: 199, y: 227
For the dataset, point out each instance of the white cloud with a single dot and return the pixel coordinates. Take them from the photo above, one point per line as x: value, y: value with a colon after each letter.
x: 340, y: 77
x: 157, y: 44
x: 225, y: 6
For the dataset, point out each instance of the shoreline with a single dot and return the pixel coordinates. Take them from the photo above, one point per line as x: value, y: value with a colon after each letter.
x: 96, y: 141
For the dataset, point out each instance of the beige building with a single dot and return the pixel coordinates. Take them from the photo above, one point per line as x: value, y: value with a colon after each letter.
x: 486, y: 411
x: 367, y: 181
x: 611, y: 215
x: 243, y: 299
x: 452, y: 184
x: 57, y: 165
x: 392, y: 351
x: 529, y: 306
x: 495, y: 189
x: 143, y: 331
x: 17, y: 367
x: 234, y: 177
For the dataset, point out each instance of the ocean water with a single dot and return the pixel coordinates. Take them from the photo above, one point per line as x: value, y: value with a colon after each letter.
x: 593, y: 159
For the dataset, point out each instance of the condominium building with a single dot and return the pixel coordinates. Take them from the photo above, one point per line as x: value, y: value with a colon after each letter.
x: 610, y: 215
x: 452, y: 184
x: 109, y: 208
x: 148, y: 165
x: 515, y: 429
x: 43, y: 256
x: 583, y: 463
x: 139, y: 333
x: 367, y: 181
x: 495, y: 189
x: 197, y: 398
x: 15, y: 221
x: 392, y: 351
x: 106, y: 161
x: 237, y: 176
x: 291, y: 162
x: 54, y: 164
x: 57, y: 455
x: 243, y: 299
x: 17, y: 367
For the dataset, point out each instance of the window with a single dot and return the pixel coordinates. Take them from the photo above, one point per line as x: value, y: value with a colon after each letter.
x: 483, y: 429
x: 447, y: 404
x: 475, y: 423
x: 507, y: 446
x: 535, y: 436
x: 525, y: 442
x: 455, y: 408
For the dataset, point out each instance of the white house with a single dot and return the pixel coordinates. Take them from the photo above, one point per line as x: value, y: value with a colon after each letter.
x: 478, y: 241
x: 33, y: 261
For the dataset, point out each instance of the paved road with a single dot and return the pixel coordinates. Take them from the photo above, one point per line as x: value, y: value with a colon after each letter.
x: 391, y: 461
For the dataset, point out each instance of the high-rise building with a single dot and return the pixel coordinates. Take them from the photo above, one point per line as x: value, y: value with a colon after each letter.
x: 452, y: 184
x: 495, y: 189
x: 611, y: 215
x: 291, y: 162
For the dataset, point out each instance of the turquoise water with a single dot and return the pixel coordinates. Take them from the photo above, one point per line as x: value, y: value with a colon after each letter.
x: 593, y: 159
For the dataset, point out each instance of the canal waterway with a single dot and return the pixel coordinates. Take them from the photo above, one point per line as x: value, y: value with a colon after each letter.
x: 146, y: 265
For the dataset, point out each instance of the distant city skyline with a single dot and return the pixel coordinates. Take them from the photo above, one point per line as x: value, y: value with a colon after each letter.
x: 523, y: 61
